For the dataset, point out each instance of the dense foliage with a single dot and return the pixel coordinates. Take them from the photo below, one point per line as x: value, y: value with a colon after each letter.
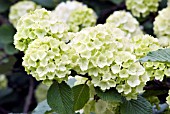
x: 100, y: 56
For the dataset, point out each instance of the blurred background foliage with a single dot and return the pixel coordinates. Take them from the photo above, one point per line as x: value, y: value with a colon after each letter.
x: 17, y: 89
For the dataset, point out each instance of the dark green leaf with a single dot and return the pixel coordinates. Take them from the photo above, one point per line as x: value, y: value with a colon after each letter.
x: 47, y: 3
x: 5, y: 67
x: 60, y: 98
x: 109, y: 95
x: 81, y: 96
x: 10, y: 49
x: 117, y: 1
x: 139, y: 106
x: 4, y: 5
x: 6, y: 34
x: 161, y: 55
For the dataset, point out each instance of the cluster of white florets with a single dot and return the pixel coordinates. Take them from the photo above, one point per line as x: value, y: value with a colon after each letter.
x: 21, y: 8
x: 76, y: 15
x: 109, y: 59
x: 162, y: 27
x: 37, y: 25
x: 126, y: 22
x: 142, y: 7
x: 47, y: 59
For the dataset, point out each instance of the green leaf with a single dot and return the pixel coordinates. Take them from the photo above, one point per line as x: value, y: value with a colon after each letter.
x: 41, y: 108
x: 139, y: 106
x: 6, y: 34
x: 10, y: 49
x: 81, y: 96
x: 46, y: 3
x: 60, y: 98
x: 6, y: 67
x: 161, y: 55
x: 4, y: 5
x: 117, y: 2
x: 109, y: 95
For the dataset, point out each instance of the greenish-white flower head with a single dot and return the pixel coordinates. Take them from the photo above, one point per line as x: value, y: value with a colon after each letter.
x: 168, y: 99
x: 47, y: 59
x: 162, y: 27
x: 126, y: 22
x: 142, y: 7
x: 3, y: 81
x: 76, y: 15
x: 37, y: 25
x: 21, y: 8
x: 106, y: 55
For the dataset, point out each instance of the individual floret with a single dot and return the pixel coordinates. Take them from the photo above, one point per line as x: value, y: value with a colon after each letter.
x: 142, y: 7
x: 36, y: 25
x: 21, y: 8
x: 76, y: 15
x: 126, y: 22
x: 161, y: 23
x: 47, y: 59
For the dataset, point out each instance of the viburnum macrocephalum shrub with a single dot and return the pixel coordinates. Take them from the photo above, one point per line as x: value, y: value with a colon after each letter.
x: 126, y: 22
x: 142, y: 7
x: 21, y: 8
x: 76, y: 15
x: 37, y: 25
x: 106, y: 61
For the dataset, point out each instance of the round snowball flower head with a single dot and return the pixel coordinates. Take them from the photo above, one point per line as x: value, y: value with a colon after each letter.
x: 76, y: 15
x: 47, y: 59
x: 21, y: 8
x: 142, y: 7
x: 36, y: 25
x: 126, y: 22
x: 106, y: 55
x: 161, y: 23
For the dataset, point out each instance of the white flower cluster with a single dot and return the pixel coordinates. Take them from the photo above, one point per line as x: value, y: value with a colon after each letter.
x: 142, y: 7
x: 126, y: 22
x: 21, y: 8
x: 76, y: 15
x: 36, y: 25
x: 47, y: 59
x: 168, y: 99
x: 162, y: 27
x: 108, y: 57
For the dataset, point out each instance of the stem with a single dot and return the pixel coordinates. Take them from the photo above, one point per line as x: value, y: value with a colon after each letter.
x: 29, y: 96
